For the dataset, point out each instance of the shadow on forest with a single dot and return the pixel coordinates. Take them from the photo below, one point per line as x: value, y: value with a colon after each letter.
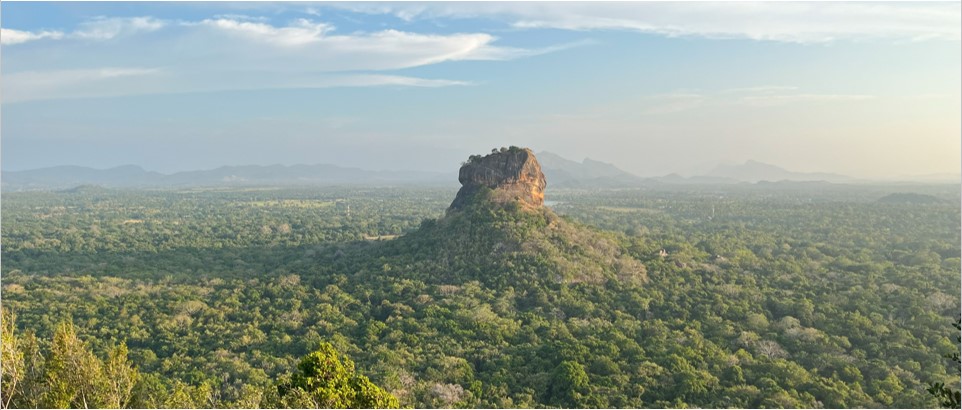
x: 184, y: 264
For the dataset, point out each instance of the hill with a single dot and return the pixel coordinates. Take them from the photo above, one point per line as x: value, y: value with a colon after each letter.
x: 754, y: 171
x: 565, y: 173
x: 130, y: 176
x: 65, y: 177
x: 498, y: 232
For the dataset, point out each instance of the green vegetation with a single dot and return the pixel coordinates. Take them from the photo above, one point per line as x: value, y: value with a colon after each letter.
x: 761, y: 298
x: 325, y: 380
x: 71, y: 376
x: 949, y: 398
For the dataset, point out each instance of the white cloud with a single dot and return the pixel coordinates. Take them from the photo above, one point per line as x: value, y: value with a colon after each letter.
x: 100, y: 28
x: 509, y: 53
x: 121, y: 81
x: 59, y: 77
x: 11, y: 36
x: 774, y: 100
x: 232, y: 52
x: 778, y: 95
x: 652, y: 106
x: 299, y: 33
x: 757, y: 96
x: 103, y: 28
x: 41, y: 85
x: 773, y: 21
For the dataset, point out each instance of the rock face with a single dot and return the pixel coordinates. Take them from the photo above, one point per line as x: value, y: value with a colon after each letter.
x: 511, y: 174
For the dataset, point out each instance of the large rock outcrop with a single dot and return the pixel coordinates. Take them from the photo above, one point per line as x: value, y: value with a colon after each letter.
x: 511, y: 174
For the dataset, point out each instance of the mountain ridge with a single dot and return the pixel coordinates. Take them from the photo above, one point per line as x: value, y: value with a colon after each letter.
x: 564, y: 173
x: 756, y: 171
x: 133, y: 176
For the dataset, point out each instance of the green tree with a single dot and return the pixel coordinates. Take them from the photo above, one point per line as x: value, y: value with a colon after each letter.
x: 120, y: 377
x: 74, y: 376
x: 569, y: 385
x: 947, y: 397
x: 325, y: 379
x: 11, y: 361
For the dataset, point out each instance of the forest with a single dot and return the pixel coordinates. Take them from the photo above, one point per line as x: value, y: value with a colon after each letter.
x: 757, y: 296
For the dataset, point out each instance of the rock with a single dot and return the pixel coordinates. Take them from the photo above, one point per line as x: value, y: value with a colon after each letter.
x: 512, y: 174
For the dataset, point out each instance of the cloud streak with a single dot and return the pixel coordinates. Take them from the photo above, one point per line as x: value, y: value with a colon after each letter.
x: 11, y: 36
x: 815, y: 22
x: 99, y: 28
x: 774, y: 100
x: 103, y: 28
x: 118, y: 81
x: 682, y: 100
x: 107, y: 57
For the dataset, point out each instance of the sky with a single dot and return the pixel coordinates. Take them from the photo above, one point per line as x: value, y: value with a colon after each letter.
x: 869, y: 90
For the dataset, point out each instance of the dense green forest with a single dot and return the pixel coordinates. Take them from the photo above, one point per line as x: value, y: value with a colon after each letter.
x: 742, y: 296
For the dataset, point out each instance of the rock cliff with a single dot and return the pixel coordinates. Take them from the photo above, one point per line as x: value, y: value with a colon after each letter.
x: 511, y: 174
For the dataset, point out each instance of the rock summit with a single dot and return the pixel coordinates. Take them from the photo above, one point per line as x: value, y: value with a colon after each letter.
x: 510, y: 174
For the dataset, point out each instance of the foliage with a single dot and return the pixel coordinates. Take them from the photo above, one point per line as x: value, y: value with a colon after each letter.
x: 782, y: 298
x: 70, y: 376
x: 949, y: 398
x: 325, y: 380
x: 11, y: 361
x: 73, y: 377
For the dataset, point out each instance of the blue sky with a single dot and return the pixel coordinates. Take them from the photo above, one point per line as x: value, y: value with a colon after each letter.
x: 864, y: 89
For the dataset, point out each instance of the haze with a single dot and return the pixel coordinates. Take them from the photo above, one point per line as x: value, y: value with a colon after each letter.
x: 867, y: 90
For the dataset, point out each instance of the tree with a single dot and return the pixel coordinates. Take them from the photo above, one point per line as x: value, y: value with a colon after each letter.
x: 120, y: 376
x: 11, y: 361
x: 74, y: 376
x: 947, y: 397
x: 569, y: 384
x: 326, y: 379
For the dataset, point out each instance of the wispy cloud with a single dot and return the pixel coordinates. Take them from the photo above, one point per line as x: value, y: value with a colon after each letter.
x: 116, y: 81
x: 104, y: 28
x: 300, y: 32
x: 772, y: 21
x: 510, y: 53
x: 686, y: 100
x: 40, y: 85
x: 11, y: 36
x: 778, y: 95
x: 773, y: 100
x: 230, y: 52
x: 99, y: 28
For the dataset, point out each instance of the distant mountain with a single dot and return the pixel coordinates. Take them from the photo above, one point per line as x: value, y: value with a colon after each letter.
x: 754, y: 171
x: 940, y: 178
x: 565, y: 173
x: 64, y: 177
x: 130, y: 176
x: 321, y: 174
x: 676, y: 179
